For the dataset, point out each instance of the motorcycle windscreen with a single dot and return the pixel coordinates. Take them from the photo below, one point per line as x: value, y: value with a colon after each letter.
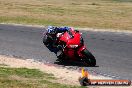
x: 65, y: 37
x: 75, y: 40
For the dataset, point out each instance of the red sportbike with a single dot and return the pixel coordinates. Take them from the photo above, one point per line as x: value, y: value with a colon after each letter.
x: 71, y: 47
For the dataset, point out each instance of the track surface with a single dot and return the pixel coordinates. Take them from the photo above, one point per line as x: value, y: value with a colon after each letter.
x: 113, y: 51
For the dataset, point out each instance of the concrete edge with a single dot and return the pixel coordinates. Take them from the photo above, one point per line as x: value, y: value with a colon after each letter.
x: 86, y: 29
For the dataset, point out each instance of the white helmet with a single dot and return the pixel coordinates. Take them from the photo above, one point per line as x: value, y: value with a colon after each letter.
x: 50, y: 29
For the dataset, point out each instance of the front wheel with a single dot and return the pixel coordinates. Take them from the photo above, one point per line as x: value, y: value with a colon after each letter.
x: 89, y: 59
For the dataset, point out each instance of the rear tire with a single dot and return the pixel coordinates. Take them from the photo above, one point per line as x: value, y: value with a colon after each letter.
x: 89, y: 58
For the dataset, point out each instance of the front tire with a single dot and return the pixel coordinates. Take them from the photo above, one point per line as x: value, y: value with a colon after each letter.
x: 89, y: 59
x: 62, y: 58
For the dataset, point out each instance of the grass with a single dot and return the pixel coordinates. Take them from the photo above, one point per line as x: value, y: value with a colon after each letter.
x: 114, y: 14
x: 28, y: 78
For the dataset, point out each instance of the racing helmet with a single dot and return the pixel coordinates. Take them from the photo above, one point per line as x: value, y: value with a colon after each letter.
x: 51, y: 29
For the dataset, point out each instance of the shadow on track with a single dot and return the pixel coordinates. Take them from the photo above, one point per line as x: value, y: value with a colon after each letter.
x: 79, y: 64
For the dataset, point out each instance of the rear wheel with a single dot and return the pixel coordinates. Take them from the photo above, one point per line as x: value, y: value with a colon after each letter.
x: 89, y: 59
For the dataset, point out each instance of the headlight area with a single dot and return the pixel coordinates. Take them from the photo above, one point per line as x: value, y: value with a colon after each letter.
x: 73, y: 46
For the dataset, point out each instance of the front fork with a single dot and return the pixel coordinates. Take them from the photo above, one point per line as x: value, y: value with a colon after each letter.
x: 79, y: 52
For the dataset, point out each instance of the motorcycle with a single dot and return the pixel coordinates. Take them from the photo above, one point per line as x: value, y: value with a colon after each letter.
x: 71, y: 47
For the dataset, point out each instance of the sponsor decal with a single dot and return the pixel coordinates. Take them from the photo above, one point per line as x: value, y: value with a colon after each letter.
x: 86, y: 81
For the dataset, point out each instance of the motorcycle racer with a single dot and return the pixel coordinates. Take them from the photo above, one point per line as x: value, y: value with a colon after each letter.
x: 69, y: 45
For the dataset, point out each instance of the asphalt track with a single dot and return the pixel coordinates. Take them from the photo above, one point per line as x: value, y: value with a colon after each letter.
x: 113, y: 51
